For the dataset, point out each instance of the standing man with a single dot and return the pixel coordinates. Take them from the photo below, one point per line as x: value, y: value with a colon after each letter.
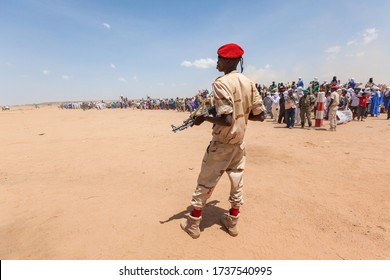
x: 298, y: 93
x: 267, y: 100
x: 354, y: 102
x: 282, y: 108
x: 351, y: 83
x: 386, y: 101
x: 236, y: 101
x: 290, y: 105
x: 275, y: 105
x: 300, y: 83
x: 363, y: 97
x: 376, y: 101
x: 347, y: 98
x: 332, y: 108
x: 305, y: 108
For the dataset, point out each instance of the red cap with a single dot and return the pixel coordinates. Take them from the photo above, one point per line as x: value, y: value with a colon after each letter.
x: 230, y: 51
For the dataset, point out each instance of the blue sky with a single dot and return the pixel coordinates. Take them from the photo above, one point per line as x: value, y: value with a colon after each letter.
x: 57, y: 50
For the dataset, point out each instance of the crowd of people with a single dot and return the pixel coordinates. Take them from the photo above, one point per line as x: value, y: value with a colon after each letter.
x: 289, y: 103
x: 181, y: 104
x: 293, y: 103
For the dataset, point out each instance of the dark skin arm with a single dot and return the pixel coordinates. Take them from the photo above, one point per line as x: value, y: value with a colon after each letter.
x: 260, y: 117
x: 226, y: 120
x: 327, y: 109
x: 330, y: 103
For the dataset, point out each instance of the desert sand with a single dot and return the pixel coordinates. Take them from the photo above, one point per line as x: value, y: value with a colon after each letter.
x: 114, y: 184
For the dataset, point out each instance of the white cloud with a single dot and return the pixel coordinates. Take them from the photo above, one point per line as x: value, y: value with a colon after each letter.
x: 135, y: 78
x: 186, y: 63
x: 175, y: 85
x: 333, y: 50
x: 358, y: 54
x: 121, y: 79
x: 202, y: 63
x: 106, y: 25
x: 358, y: 48
x: 112, y: 66
x: 46, y: 72
x: 65, y: 77
x: 262, y: 75
x: 370, y: 35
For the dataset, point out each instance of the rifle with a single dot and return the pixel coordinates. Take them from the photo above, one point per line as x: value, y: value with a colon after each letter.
x: 190, y: 120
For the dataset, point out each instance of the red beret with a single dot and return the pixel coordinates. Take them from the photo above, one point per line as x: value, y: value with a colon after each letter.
x: 230, y: 51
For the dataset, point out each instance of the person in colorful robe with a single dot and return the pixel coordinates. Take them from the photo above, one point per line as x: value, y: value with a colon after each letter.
x: 376, y: 101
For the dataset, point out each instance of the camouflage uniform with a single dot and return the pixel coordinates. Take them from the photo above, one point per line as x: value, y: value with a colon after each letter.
x: 333, y: 110
x: 237, y: 95
x: 305, y: 109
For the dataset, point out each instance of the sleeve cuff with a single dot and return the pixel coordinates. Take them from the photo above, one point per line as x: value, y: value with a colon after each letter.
x: 224, y: 110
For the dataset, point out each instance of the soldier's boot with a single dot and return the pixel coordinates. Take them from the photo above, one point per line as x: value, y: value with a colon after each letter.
x: 191, y: 226
x: 230, y: 223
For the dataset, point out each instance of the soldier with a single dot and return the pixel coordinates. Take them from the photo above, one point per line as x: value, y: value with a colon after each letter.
x: 305, y: 108
x: 236, y: 100
x: 332, y: 108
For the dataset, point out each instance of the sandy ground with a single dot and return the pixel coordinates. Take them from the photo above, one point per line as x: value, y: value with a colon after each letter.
x: 114, y: 184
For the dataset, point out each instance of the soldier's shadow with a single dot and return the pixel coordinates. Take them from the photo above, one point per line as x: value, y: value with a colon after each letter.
x: 211, y: 215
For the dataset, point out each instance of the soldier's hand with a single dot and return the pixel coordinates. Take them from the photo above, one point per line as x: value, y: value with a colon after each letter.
x: 260, y: 117
x: 199, y: 120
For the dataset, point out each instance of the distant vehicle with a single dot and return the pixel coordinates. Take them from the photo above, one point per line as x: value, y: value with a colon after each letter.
x: 5, y: 108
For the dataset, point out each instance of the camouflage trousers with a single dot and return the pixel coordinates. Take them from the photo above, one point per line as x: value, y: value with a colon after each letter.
x: 305, y: 114
x: 218, y: 159
x: 333, y: 117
